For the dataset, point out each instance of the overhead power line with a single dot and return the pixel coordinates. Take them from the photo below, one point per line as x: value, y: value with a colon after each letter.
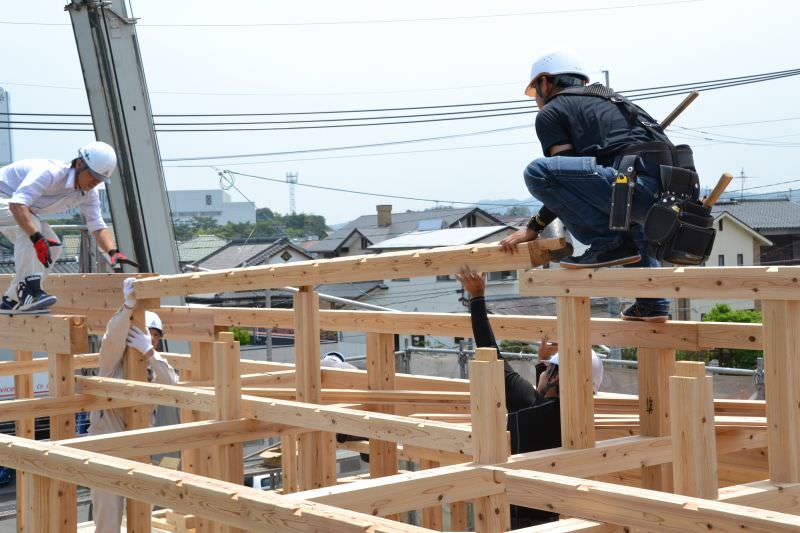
x: 380, y: 21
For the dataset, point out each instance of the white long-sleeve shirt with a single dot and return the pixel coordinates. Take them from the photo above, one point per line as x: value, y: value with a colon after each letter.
x: 112, y: 350
x: 47, y: 186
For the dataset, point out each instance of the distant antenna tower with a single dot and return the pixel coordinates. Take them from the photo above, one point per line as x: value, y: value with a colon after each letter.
x: 291, y: 179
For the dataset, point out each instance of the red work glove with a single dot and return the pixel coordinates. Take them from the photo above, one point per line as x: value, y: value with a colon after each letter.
x: 42, y: 247
x: 118, y: 259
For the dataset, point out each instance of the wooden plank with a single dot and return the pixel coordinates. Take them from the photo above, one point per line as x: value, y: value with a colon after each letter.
x: 694, y: 464
x: 635, y: 507
x: 289, y: 462
x: 458, y: 516
x: 52, y: 334
x: 381, y: 377
x: 165, y: 439
x: 51, y: 406
x: 734, y: 283
x: 134, y: 364
x: 317, y: 450
x: 765, y: 494
x: 18, y: 368
x: 781, y: 376
x: 609, y: 331
x: 236, y: 505
x: 490, y: 441
x: 575, y: 373
x: 25, y: 428
x: 655, y: 368
x: 407, y: 264
x: 574, y: 525
x: 407, y: 491
x: 200, y: 460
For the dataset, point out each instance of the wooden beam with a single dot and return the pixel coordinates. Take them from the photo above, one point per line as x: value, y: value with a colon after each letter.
x: 634, y: 507
x: 317, y: 450
x: 29, y: 366
x: 436, y: 435
x: 489, y: 421
x: 609, y: 331
x: 52, y: 334
x: 243, y: 507
x: 766, y: 494
x: 165, y: 439
x: 405, y: 492
x: 782, y: 375
x: 655, y: 368
x: 695, y: 452
x: 16, y: 409
x: 575, y: 373
x: 408, y: 264
x: 381, y: 377
x: 574, y: 525
x: 734, y: 283
x: 289, y: 462
x: 432, y: 517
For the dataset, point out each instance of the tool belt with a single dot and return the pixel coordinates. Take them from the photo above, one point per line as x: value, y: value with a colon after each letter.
x: 678, y: 227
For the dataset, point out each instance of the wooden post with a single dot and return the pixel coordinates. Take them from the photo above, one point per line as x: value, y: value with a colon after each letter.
x: 317, y: 450
x: 380, y: 376
x: 289, y: 461
x: 458, y: 516
x: 200, y: 461
x: 655, y: 368
x: 431, y: 516
x: 23, y: 387
x: 781, y: 321
x: 489, y: 439
x: 575, y: 372
x: 137, y: 514
x: 228, y: 390
x: 55, y: 502
x: 693, y: 436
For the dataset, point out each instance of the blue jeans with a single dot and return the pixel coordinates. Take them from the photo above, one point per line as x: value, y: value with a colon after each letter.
x: 578, y: 190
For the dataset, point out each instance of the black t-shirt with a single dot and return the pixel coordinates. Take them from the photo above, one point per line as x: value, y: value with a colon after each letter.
x: 595, y: 126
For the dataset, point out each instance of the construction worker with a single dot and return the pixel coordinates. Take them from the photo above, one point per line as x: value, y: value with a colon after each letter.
x: 34, y: 187
x: 534, y: 413
x: 106, y: 507
x: 586, y: 132
x: 335, y: 360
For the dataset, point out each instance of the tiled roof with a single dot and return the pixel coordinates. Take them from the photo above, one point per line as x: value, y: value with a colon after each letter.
x: 763, y: 215
x: 240, y: 253
x: 442, y: 237
x: 199, y: 247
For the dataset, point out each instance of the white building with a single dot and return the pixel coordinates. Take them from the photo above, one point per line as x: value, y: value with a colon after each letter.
x: 214, y: 203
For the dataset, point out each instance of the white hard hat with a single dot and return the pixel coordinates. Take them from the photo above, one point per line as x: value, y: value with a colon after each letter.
x: 597, y: 370
x: 556, y: 63
x: 152, y: 320
x: 100, y: 158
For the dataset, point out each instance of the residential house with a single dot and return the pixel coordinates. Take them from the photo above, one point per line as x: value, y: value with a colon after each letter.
x: 777, y: 219
x: 198, y: 248
x: 356, y: 237
x: 214, y: 203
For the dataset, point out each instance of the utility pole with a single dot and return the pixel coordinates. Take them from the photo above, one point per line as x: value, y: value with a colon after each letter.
x: 291, y: 179
x: 741, y: 177
x: 605, y: 73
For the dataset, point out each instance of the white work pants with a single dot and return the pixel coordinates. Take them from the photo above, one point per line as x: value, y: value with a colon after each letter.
x: 25, y: 260
x: 107, y: 511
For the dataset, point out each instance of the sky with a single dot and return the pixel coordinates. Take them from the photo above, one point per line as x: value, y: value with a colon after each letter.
x: 266, y: 56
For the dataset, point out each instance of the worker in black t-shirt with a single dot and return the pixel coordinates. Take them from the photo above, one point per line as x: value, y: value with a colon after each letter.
x: 534, y: 414
x: 584, y: 133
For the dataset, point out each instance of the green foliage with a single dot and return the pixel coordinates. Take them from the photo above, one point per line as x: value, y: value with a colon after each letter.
x: 734, y: 357
x: 518, y: 211
x: 244, y: 336
x: 268, y: 224
x: 516, y: 347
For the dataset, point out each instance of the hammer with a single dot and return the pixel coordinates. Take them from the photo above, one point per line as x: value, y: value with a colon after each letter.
x: 719, y: 188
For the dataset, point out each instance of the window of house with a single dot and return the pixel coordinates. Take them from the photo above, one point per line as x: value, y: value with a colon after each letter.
x: 505, y: 275
x: 721, y: 260
x: 401, y: 279
x: 446, y: 277
x: 364, y: 243
x: 344, y: 249
x: 739, y: 259
x: 720, y: 224
x: 471, y: 220
x: 418, y: 341
x: 208, y: 199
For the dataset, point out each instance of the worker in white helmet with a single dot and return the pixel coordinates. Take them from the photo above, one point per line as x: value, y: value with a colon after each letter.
x: 33, y: 187
x: 592, y: 138
x: 107, y: 508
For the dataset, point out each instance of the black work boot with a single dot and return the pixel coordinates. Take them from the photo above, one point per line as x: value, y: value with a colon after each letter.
x: 31, y: 296
x: 7, y: 304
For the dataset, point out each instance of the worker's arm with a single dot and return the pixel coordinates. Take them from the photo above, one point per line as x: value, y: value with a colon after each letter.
x: 112, y: 347
x: 104, y: 240
x: 162, y: 371
x: 23, y: 217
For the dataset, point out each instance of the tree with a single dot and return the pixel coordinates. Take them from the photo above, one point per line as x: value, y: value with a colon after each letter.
x: 518, y: 211
x: 242, y: 335
x: 729, y: 357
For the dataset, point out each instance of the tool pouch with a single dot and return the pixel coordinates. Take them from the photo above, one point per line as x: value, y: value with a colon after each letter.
x: 622, y: 195
x: 679, y: 231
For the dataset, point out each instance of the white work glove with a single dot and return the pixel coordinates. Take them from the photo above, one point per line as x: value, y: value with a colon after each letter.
x: 127, y: 292
x: 139, y: 340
